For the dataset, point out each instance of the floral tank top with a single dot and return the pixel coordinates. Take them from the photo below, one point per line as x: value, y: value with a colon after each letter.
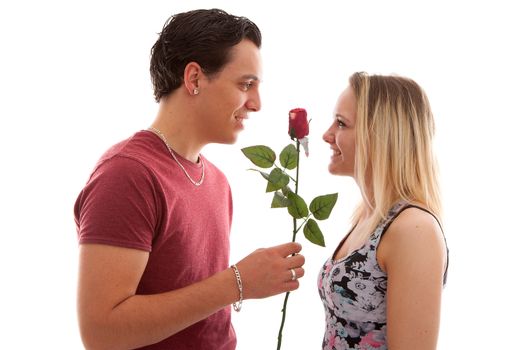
x: 353, y: 292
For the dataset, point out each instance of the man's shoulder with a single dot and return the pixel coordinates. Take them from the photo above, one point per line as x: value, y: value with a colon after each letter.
x: 139, y: 146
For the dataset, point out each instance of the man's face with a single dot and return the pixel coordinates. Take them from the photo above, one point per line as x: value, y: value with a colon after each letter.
x: 231, y: 95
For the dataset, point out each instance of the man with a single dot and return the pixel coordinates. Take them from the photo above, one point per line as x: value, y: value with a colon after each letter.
x: 154, y: 218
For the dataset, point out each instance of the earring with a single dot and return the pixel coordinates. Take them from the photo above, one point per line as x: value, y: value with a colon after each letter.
x: 195, y: 91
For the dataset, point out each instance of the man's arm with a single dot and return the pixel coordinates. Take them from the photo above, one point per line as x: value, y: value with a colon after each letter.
x: 112, y: 316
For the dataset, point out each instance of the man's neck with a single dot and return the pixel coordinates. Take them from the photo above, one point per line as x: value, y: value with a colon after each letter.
x: 176, y: 122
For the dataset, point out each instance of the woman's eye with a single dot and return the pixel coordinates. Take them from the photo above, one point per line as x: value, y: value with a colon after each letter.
x: 340, y: 124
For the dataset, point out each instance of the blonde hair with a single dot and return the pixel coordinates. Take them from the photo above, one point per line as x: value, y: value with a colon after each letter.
x: 394, y: 132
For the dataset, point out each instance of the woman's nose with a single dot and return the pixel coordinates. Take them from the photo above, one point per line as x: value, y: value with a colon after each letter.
x: 328, y: 136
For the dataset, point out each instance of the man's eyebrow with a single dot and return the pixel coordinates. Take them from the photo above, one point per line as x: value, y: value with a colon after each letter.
x: 250, y: 77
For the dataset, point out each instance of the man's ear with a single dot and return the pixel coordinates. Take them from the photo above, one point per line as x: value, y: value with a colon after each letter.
x: 192, y: 73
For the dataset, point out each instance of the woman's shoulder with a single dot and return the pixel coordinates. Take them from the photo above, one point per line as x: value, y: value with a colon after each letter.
x: 413, y: 218
x: 415, y: 225
x: 414, y: 233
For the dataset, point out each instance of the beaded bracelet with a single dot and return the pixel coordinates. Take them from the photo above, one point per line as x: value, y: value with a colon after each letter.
x: 238, y: 304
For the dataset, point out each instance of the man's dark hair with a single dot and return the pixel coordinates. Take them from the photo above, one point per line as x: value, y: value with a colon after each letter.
x: 202, y: 36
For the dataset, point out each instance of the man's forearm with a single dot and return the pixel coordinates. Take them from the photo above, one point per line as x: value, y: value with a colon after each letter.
x: 147, y: 319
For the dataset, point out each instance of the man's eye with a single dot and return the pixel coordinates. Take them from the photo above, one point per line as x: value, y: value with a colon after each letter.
x: 246, y: 86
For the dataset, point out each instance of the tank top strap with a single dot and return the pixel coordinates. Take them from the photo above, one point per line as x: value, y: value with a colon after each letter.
x: 387, y: 221
x: 393, y: 213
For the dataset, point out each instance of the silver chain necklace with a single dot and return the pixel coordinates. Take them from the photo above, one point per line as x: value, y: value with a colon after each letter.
x: 163, y: 138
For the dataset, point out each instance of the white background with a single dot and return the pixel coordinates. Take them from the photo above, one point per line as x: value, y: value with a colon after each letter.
x: 74, y: 79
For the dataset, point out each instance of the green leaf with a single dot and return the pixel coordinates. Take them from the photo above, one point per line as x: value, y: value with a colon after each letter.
x: 297, y: 207
x: 322, y: 206
x: 277, y: 180
x: 262, y: 156
x: 313, y: 233
x: 265, y: 175
x: 286, y: 190
x: 279, y: 200
x: 288, y: 157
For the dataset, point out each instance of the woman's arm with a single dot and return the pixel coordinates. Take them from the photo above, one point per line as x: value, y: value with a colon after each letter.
x: 413, y: 254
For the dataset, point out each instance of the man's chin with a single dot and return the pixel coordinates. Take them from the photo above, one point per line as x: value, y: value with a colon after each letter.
x: 228, y: 141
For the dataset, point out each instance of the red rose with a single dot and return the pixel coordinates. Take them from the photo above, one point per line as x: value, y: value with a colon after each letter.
x: 297, y: 123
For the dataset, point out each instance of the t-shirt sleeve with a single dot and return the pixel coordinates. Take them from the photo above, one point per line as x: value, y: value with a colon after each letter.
x: 118, y: 206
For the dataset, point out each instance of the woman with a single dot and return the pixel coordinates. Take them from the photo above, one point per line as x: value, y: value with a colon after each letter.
x: 381, y: 288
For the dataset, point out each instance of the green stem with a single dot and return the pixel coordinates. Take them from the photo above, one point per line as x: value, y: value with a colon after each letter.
x: 302, y: 224
x: 296, y: 187
x: 279, y: 337
x: 284, y: 171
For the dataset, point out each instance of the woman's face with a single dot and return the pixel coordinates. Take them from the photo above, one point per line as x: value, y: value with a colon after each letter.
x: 341, y: 135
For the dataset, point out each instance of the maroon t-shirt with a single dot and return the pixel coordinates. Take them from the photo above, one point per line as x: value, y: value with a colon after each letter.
x: 138, y: 197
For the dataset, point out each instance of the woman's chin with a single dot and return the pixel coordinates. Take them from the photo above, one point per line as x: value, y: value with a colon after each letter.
x: 335, y: 170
